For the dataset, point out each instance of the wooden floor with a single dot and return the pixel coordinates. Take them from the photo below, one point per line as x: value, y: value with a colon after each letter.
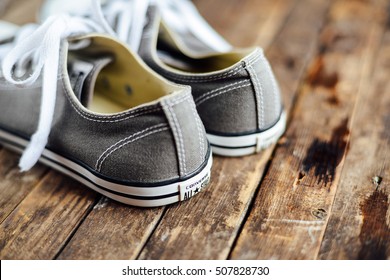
x: 323, y: 192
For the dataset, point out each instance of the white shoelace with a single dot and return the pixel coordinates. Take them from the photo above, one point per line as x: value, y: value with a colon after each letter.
x: 126, y: 20
x: 182, y: 15
x: 41, y: 46
x: 123, y: 19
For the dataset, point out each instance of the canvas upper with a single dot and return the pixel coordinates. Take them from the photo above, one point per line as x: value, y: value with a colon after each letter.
x: 117, y: 126
x: 235, y: 90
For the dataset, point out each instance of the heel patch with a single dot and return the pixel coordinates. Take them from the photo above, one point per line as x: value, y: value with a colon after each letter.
x: 189, y: 190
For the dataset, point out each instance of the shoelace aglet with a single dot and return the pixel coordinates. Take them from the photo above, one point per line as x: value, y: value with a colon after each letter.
x: 32, y: 153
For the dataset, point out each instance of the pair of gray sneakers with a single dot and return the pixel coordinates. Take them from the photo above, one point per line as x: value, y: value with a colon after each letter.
x: 85, y: 104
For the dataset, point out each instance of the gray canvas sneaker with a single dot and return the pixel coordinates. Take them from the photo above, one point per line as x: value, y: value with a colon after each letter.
x: 236, y: 93
x: 88, y: 107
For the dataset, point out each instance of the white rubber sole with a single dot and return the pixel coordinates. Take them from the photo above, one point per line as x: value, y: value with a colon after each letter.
x: 144, y: 196
x: 236, y: 146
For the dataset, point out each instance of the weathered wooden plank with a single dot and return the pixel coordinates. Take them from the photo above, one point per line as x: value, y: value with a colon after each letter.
x: 257, y: 22
x: 97, y: 238
x: 278, y: 16
x: 45, y: 219
x: 112, y: 231
x: 359, y: 223
x: 295, y: 47
x: 14, y: 186
x: 290, y: 212
x: 206, y: 227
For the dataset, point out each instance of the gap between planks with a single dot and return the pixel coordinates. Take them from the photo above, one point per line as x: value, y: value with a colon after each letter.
x: 218, y: 231
x: 359, y: 224
x: 282, y: 224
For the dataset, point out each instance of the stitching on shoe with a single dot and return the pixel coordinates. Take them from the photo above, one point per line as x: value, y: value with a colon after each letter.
x: 219, y: 89
x: 178, y: 141
x: 127, y: 141
x: 179, y: 100
x: 180, y: 138
x: 109, y: 119
x: 259, y: 96
x: 256, y: 56
x: 199, y: 128
x: 276, y: 96
x: 222, y: 92
x: 203, y: 79
x: 106, y: 119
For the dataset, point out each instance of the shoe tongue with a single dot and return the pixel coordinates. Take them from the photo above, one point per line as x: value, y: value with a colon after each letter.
x: 83, y: 73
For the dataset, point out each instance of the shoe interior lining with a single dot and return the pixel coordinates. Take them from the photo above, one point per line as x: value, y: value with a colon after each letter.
x: 104, y: 105
x: 172, y: 52
x: 124, y: 83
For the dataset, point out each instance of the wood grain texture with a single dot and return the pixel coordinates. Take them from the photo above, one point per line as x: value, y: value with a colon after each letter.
x: 291, y: 209
x: 295, y: 46
x: 359, y: 224
x: 14, y: 186
x: 249, y: 22
x: 45, y: 219
x: 112, y: 231
x: 207, y: 227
